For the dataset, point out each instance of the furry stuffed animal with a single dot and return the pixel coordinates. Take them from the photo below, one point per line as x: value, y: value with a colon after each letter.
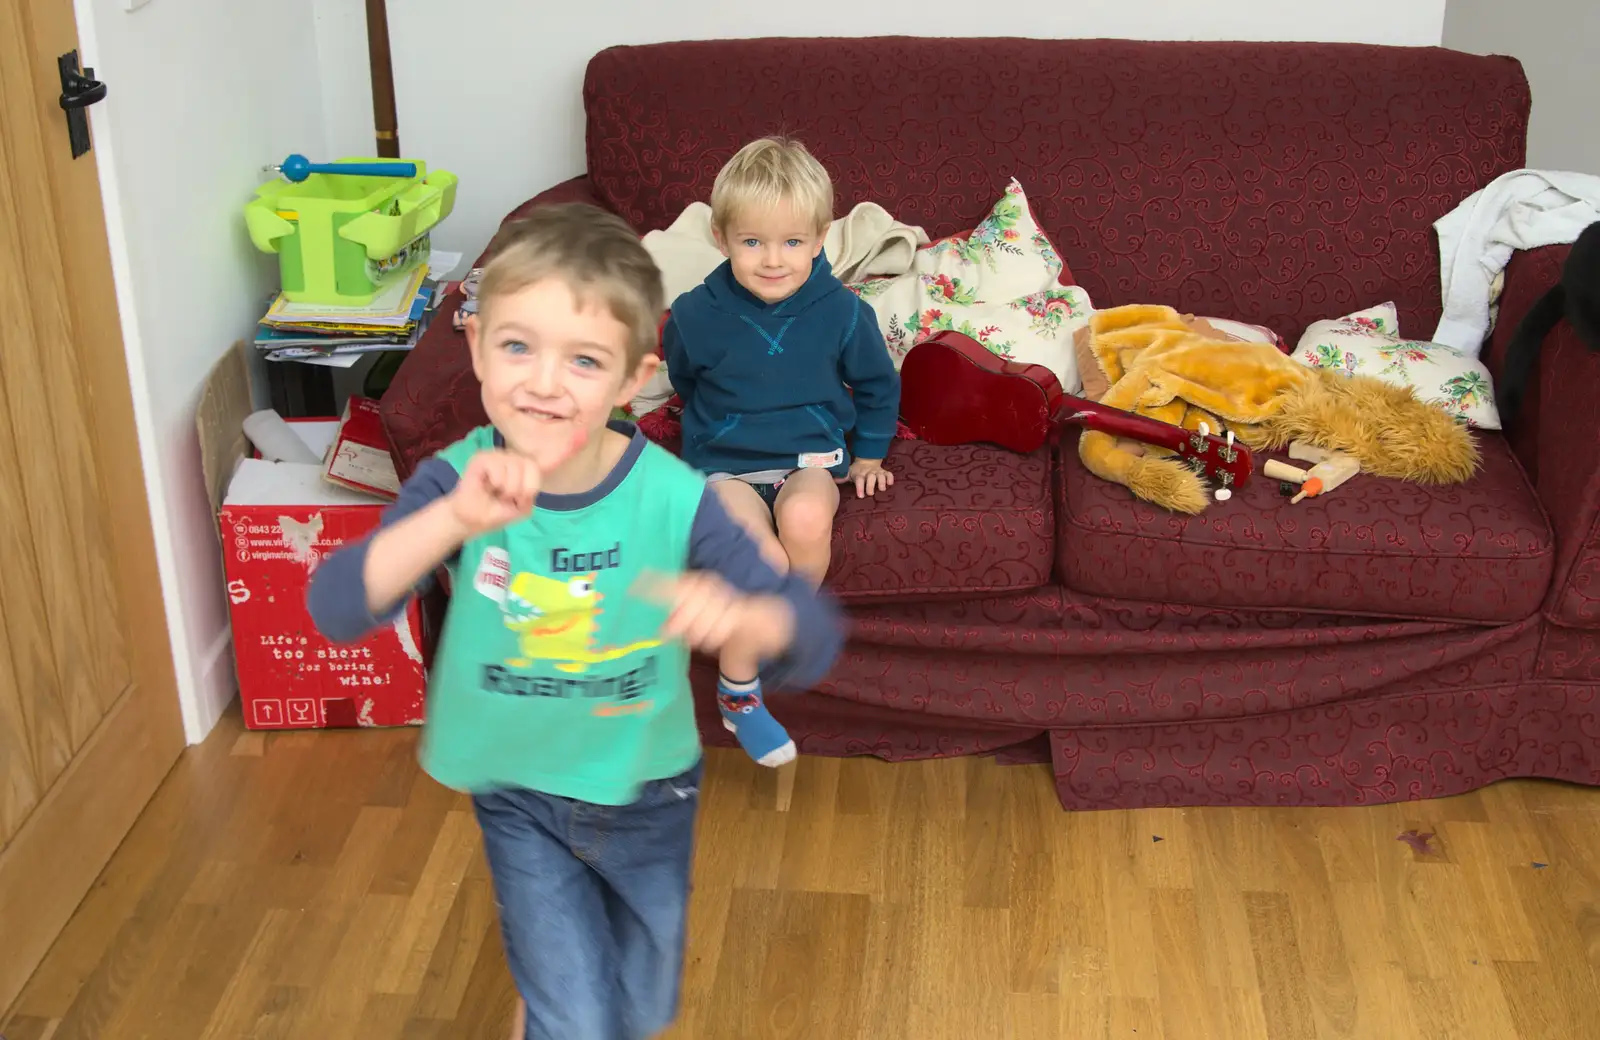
x: 1157, y: 364
x: 1577, y: 298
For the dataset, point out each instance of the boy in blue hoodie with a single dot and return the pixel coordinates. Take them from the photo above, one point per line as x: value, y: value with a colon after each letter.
x: 787, y: 386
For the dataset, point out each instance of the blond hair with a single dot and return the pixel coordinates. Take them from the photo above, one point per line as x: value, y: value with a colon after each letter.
x: 765, y: 173
x: 596, y: 253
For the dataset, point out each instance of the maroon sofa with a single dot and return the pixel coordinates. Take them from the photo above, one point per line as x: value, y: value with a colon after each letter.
x: 1388, y: 642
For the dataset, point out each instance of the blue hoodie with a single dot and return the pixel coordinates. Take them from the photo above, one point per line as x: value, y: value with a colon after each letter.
x: 764, y: 383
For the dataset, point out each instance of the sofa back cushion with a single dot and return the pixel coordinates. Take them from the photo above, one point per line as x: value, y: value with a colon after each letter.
x: 1277, y: 183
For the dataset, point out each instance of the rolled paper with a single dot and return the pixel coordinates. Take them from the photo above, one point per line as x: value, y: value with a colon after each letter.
x: 275, y: 440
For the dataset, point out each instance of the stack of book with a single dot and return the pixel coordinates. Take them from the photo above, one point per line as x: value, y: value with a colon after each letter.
x: 328, y: 334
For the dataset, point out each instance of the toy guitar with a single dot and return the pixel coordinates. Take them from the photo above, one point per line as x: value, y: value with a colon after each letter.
x: 954, y: 390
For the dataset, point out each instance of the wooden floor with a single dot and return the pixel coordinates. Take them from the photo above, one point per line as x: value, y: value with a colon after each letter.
x: 314, y: 885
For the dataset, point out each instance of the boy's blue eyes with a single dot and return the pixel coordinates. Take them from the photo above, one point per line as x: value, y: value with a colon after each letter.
x: 519, y: 348
x: 752, y: 243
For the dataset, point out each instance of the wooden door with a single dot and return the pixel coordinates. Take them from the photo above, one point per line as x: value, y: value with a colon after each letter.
x: 89, y: 719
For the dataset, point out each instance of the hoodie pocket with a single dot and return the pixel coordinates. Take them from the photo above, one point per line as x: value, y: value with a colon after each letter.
x: 784, y: 433
x: 828, y: 424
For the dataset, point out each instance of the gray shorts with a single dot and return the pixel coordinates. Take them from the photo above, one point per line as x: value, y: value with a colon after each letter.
x: 767, y: 482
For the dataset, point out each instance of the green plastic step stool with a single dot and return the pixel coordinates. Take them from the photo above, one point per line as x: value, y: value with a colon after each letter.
x: 341, y: 238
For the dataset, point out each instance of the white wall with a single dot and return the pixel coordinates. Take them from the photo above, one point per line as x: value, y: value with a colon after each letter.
x: 491, y: 90
x: 1556, y: 42
x: 346, y: 78
x: 202, y: 94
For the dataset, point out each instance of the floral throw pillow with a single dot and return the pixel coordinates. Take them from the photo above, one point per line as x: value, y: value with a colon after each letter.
x: 1007, y: 254
x: 1035, y: 329
x: 1368, y: 343
x: 1000, y: 285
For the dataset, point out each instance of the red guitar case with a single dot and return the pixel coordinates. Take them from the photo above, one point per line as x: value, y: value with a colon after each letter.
x: 954, y: 390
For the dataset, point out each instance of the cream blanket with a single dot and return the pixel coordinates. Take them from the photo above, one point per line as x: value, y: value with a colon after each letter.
x: 865, y: 243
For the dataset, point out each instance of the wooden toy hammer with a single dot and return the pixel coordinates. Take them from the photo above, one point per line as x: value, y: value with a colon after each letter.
x: 1330, y: 469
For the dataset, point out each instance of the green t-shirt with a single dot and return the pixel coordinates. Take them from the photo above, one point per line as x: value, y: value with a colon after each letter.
x: 548, y: 674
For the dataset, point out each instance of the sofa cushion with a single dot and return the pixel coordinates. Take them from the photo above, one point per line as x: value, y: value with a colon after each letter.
x: 1478, y: 551
x: 961, y: 520
x: 964, y: 520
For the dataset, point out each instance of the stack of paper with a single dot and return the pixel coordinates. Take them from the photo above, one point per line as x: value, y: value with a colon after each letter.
x: 334, y: 335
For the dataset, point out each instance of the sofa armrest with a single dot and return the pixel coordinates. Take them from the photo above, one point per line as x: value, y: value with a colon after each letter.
x: 1556, y: 436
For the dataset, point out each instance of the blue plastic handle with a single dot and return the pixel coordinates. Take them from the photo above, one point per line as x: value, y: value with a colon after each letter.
x: 297, y: 168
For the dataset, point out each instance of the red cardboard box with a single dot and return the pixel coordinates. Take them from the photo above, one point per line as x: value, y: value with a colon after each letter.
x: 278, y: 521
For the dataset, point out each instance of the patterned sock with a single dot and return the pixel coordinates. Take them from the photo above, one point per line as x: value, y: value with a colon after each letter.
x: 762, y: 736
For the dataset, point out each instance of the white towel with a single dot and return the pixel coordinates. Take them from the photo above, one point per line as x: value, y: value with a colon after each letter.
x: 1523, y: 209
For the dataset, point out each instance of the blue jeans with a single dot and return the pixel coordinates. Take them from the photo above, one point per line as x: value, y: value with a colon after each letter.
x: 592, y: 904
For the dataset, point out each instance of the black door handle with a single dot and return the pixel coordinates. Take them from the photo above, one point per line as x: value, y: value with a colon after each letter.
x: 79, y: 90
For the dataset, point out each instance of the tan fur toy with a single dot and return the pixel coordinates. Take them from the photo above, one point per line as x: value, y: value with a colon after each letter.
x: 1153, y: 363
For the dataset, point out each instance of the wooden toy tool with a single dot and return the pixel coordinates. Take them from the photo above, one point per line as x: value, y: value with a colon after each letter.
x: 1334, y: 469
x: 1283, y: 471
x: 1303, y: 452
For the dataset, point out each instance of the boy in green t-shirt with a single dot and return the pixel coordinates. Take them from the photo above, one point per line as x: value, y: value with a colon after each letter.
x: 585, y: 565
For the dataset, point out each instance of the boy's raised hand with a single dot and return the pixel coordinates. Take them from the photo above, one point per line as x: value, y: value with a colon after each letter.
x: 499, y: 487
x: 495, y: 488
x: 712, y: 616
